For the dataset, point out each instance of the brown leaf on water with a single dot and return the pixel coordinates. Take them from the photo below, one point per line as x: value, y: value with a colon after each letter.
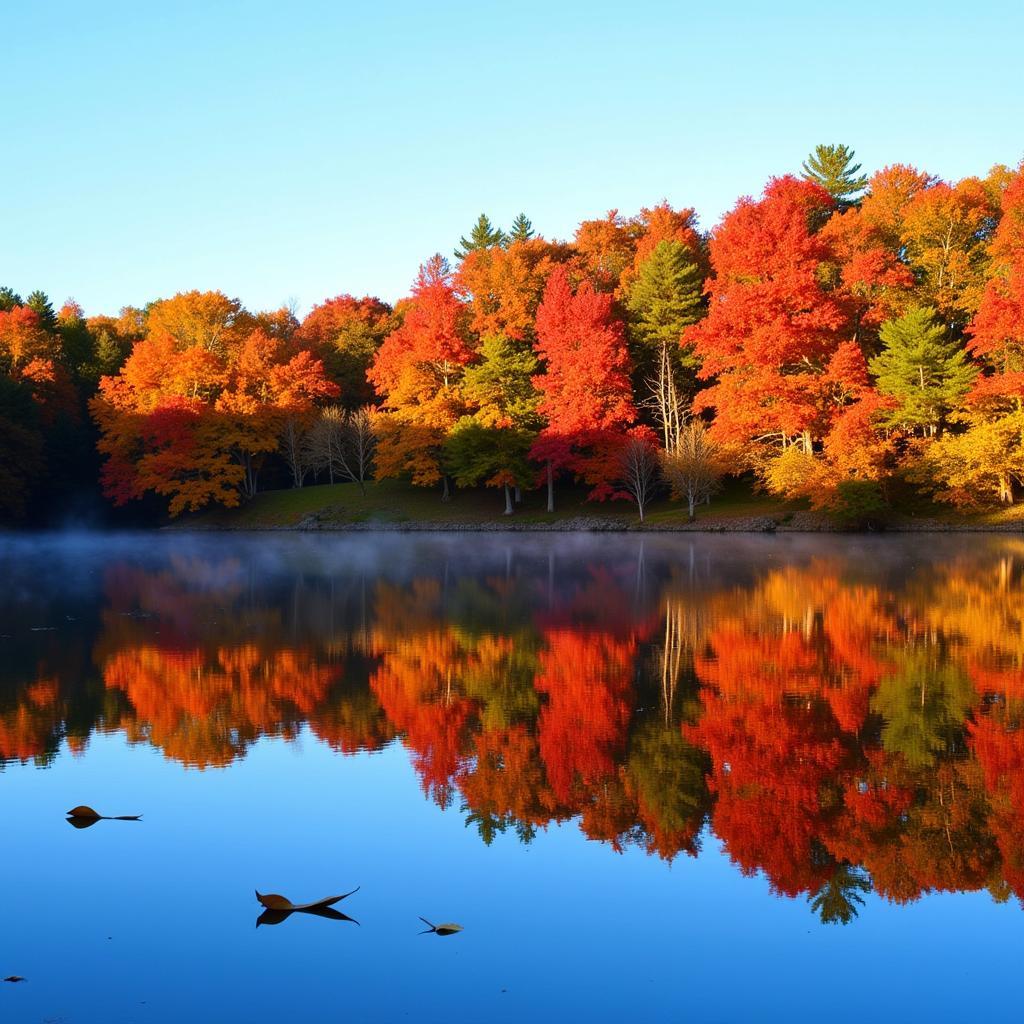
x: 14, y: 978
x: 84, y: 813
x: 82, y: 822
x: 272, y: 901
x: 448, y: 928
x: 277, y: 916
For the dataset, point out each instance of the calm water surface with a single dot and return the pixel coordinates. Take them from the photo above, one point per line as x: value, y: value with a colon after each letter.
x: 666, y: 779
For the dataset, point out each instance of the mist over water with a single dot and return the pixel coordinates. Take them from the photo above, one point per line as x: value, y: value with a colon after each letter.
x: 634, y: 768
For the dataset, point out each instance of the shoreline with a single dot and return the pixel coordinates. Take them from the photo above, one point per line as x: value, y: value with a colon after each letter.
x: 801, y: 522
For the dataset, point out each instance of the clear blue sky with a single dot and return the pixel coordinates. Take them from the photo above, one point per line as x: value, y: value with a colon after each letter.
x: 297, y: 150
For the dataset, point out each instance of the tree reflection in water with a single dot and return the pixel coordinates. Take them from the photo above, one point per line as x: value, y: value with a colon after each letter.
x: 839, y: 729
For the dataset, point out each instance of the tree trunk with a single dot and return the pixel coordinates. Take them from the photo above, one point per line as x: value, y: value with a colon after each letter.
x: 445, y: 492
x: 690, y: 501
x: 508, y: 500
x: 551, y: 488
x: 519, y: 494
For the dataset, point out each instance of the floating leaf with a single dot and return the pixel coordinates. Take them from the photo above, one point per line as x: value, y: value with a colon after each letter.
x: 15, y: 978
x: 272, y: 901
x: 448, y: 928
x: 277, y: 916
x: 83, y: 811
x: 87, y: 816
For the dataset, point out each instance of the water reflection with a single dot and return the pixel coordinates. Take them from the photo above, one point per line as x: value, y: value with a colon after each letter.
x: 841, y: 723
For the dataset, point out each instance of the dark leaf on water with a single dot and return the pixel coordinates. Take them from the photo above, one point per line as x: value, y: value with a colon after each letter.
x: 82, y: 822
x: 447, y: 928
x: 272, y: 901
x: 87, y: 816
x: 277, y: 916
x: 84, y: 811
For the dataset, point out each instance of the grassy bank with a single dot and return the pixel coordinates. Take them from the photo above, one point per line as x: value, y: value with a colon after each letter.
x: 391, y: 504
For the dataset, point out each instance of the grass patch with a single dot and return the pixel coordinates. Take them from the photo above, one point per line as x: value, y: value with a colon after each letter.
x: 393, y: 502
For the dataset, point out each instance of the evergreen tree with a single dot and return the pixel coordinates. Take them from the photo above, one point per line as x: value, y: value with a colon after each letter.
x: 665, y: 297
x: 837, y: 900
x: 22, y: 458
x: 111, y: 353
x: 493, y: 443
x: 40, y: 302
x: 522, y: 229
x: 924, y: 370
x: 9, y: 298
x: 483, y: 236
x: 78, y: 346
x: 832, y: 168
x: 500, y: 385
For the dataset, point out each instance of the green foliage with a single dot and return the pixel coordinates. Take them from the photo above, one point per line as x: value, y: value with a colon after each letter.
x: 837, y: 900
x: 483, y: 236
x: 9, y: 298
x: 40, y: 302
x: 669, y: 776
x: 110, y: 353
x: 491, y: 445
x: 522, y: 229
x: 21, y: 450
x: 665, y: 297
x: 475, y: 453
x: 77, y: 347
x: 500, y: 385
x: 859, y: 505
x: 924, y: 705
x: 922, y: 368
x: 348, y: 356
x: 832, y: 168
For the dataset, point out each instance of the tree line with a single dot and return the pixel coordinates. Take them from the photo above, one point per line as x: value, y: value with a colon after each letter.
x: 841, y: 338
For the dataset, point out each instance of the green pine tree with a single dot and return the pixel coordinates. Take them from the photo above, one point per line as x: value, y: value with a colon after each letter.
x: 837, y: 900
x: 483, y: 236
x: 922, y: 368
x: 665, y: 297
x: 9, y: 298
x: 522, y: 229
x: 500, y: 385
x: 492, y: 445
x: 111, y: 353
x: 77, y: 345
x: 40, y: 302
x: 832, y: 168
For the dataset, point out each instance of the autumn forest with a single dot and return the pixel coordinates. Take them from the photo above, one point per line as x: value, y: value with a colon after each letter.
x: 845, y: 339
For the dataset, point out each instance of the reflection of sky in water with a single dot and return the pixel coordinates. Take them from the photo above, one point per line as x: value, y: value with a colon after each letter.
x: 156, y: 920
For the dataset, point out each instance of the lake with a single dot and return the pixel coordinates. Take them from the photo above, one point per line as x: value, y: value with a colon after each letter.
x: 660, y: 778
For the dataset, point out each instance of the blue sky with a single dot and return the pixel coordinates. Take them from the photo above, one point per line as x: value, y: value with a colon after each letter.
x: 293, y: 151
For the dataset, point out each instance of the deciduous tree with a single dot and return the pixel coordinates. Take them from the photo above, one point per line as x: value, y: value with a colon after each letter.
x: 585, y: 390
x: 417, y: 373
x: 771, y: 327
